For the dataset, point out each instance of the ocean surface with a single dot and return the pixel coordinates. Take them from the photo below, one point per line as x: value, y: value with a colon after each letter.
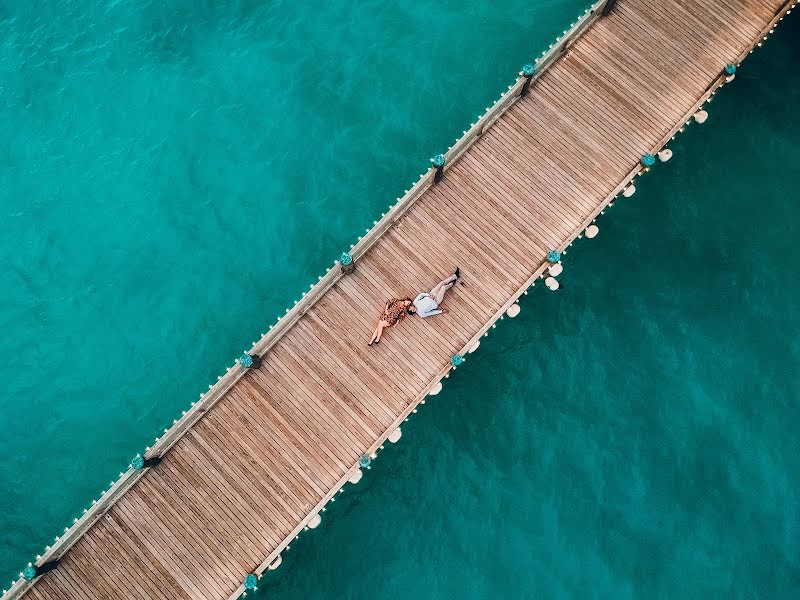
x: 173, y: 175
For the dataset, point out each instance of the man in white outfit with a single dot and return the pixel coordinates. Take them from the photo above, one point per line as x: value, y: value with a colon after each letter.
x: 427, y: 305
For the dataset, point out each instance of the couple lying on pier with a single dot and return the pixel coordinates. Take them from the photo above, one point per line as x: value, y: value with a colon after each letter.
x: 424, y: 305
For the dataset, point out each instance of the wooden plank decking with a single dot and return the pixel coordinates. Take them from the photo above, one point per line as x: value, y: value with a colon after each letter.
x: 247, y: 468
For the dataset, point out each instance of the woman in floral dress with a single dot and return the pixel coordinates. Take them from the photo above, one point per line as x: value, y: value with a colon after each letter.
x: 392, y: 314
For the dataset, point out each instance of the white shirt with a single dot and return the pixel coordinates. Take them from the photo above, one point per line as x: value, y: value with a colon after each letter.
x: 426, y: 306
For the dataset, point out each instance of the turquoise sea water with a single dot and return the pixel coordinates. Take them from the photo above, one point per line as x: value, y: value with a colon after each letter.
x: 174, y: 176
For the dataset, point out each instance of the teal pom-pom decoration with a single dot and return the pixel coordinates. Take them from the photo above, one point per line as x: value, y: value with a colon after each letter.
x: 246, y: 360
x: 438, y: 160
x: 457, y: 360
x: 345, y: 259
x: 138, y: 463
x: 29, y: 572
x: 553, y: 256
x: 730, y: 69
x: 250, y: 582
x: 528, y: 70
x: 364, y: 461
x: 648, y: 160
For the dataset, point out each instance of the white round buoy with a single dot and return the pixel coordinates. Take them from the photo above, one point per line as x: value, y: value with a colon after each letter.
x: 701, y: 116
x: 394, y: 437
x: 629, y: 191
x: 314, y: 522
x: 275, y: 563
x: 475, y: 347
x: 555, y: 270
x: 551, y: 283
x: 356, y: 476
x: 435, y: 389
x: 513, y: 310
x: 592, y: 231
x: 665, y: 155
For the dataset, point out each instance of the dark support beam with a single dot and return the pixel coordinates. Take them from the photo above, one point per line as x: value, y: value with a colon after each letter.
x: 608, y: 7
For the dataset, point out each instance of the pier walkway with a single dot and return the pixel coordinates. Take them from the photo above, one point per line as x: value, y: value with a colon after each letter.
x: 254, y: 461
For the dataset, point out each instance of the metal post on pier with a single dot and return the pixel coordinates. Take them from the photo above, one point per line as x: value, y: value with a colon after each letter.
x: 249, y: 361
x: 527, y: 72
x: 140, y: 462
x: 31, y: 572
x: 608, y: 7
x: 438, y: 162
x: 346, y: 263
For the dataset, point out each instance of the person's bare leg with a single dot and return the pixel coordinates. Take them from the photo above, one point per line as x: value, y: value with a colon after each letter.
x: 374, y: 336
x: 381, y: 326
x: 437, y: 288
x: 437, y: 293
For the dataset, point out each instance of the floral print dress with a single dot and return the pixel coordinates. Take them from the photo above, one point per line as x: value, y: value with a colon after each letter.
x: 394, y: 312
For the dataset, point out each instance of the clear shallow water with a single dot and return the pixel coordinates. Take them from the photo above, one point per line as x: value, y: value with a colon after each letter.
x: 174, y: 177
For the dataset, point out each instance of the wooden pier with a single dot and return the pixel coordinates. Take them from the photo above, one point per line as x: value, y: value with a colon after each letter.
x: 254, y: 461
